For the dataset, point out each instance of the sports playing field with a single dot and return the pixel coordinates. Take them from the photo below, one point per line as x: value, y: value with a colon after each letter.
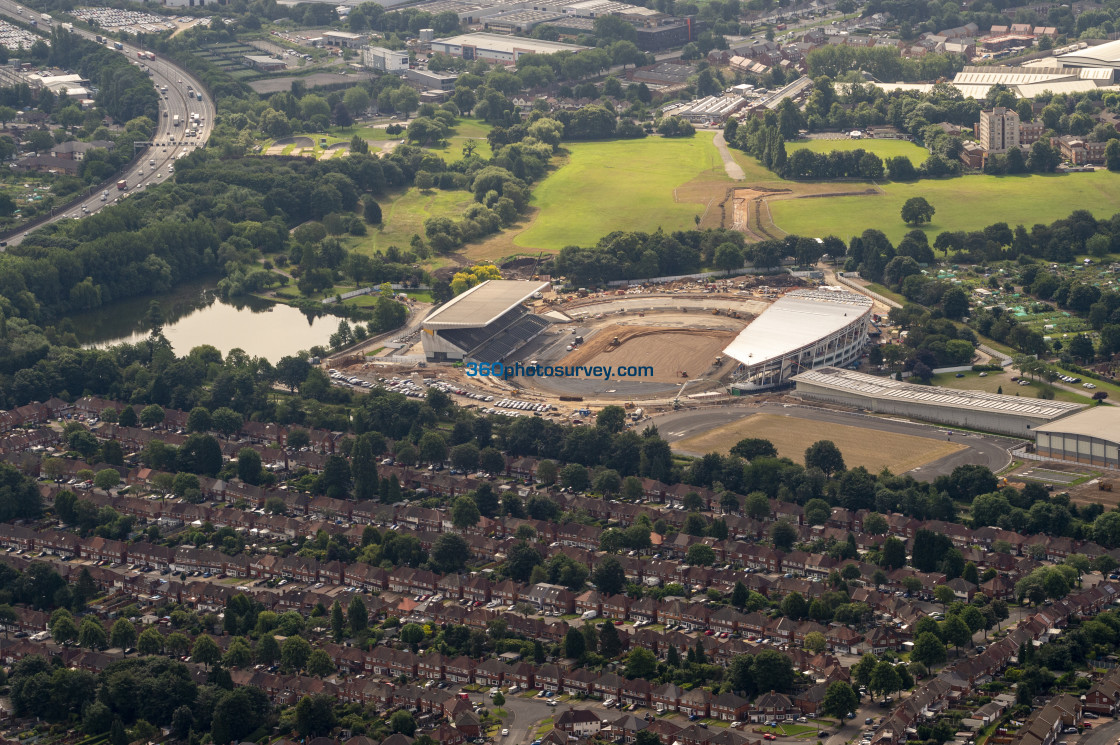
x: 623, y: 185
x: 883, y: 148
x: 871, y: 449
x: 964, y: 203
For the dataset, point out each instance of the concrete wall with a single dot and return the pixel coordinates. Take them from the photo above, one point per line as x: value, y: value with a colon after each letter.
x: 1003, y: 424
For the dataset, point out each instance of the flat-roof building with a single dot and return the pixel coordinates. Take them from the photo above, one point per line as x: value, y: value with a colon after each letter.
x: 1091, y: 437
x: 486, y: 323
x: 343, y: 39
x: 498, y: 48
x: 988, y: 412
x: 384, y: 60
x: 264, y: 63
x: 802, y: 330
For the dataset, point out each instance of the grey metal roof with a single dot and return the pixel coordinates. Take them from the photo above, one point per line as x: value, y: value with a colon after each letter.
x: 888, y: 388
x: 481, y: 304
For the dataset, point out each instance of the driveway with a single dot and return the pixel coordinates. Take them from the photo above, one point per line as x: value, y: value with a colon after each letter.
x: 733, y: 169
x: 1104, y: 732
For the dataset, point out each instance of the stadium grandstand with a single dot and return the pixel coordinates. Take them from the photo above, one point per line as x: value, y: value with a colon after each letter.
x: 804, y: 329
x: 487, y: 323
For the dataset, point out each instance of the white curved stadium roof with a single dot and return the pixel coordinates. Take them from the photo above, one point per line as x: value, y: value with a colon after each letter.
x: 796, y: 320
x: 1102, y: 55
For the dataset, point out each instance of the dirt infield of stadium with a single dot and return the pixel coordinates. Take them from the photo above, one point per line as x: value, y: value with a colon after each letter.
x: 792, y: 435
x: 668, y: 351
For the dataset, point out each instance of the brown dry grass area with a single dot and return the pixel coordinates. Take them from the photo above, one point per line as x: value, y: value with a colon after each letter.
x: 873, y: 450
x: 667, y: 351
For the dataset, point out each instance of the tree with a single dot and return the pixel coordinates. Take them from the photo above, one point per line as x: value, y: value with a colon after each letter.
x: 824, y: 455
x: 91, y: 635
x: 928, y: 650
x: 700, y: 554
x: 319, y: 664
x: 894, y: 553
x: 402, y: 722
x: 917, y: 210
x: 371, y: 211
x: 499, y: 700
x: 151, y: 415
x: 885, y: 679
x: 315, y: 715
x: 338, y: 621
x: 1112, y: 155
x: 464, y: 513
x: 357, y: 615
x: 794, y: 606
x: 611, y: 418
x: 62, y: 627
x: 249, y: 466
x: 956, y: 632
x: 412, y: 634
x: 609, y: 576
x: 729, y: 257
x: 574, y: 644
x: 106, y: 479
x: 609, y: 643
x: 863, y: 670
x: 815, y: 642
x: 294, y: 653
x: 757, y: 505
x: 838, y: 700
x: 205, y: 650
x: 640, y: 663
x: 150, y: 642
x: 363, y: 468
x: 239, y: 654
x: 775, y: 668
x: 449, y: 553
x: 783, y: 535
x: 123, y: 634
x: 754, y: 447
x: 268, y: 650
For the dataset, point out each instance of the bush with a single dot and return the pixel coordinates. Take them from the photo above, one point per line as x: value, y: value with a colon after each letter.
x: 987, y: 368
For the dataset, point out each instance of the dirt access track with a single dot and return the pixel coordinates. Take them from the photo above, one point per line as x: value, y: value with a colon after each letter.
x: 668, y: 351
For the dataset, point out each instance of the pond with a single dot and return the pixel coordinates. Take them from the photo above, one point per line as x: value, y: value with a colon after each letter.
x: 195, y: 315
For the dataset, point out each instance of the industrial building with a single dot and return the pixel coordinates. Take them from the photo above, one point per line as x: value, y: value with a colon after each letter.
x: 1102, y: 55
x: 497, y: 48
x: 1091, y: 437
x: 343, y: 39
x: 487, y: 323
x: 385, y: 60
x: 802, y: 330
x: 1054, y: 75
x: 264, y: 63
x: 979, y: 410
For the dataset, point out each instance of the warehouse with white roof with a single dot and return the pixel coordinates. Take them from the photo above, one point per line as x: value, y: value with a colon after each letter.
x: 988, y: 412
x: 803, y: 330
x: 486, y: 323
x: 1091, y: 437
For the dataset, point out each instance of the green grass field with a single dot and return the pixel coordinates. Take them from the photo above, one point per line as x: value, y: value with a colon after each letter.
x: 403, y: 215
x: 621, y: 185
x: 965, y: 203
x: 466, y: 129
x: 883, y: 148
x: 993, y: 382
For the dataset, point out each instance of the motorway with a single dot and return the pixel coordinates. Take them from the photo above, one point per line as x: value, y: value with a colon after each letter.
x: 987, y: 450
x: 169, y: 141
